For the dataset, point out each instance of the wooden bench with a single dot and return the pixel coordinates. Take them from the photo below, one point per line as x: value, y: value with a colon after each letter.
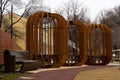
x: 22, y: 57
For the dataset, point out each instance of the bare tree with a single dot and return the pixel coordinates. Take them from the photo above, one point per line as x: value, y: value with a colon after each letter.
x: 35, y: 6
x: 32, y: 7
x: 112, y: 19
x: 3, y: 5
x: 59, y: 11
x: 73, y: 10
x: 7, y: 8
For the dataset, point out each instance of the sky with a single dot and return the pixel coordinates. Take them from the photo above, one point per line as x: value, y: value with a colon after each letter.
x: 94, y: 6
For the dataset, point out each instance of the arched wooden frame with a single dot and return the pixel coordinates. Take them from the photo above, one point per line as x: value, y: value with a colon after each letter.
x: 55, y: 56
x: 77, y: 54
x: 99, y: 44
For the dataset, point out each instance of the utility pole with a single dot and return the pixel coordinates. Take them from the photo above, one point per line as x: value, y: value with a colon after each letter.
x: 11, y: 19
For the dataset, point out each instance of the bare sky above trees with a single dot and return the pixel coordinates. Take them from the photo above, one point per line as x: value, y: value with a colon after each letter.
x: 94, y: 6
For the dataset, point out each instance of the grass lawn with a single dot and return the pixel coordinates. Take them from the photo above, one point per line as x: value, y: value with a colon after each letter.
x: 10, y: 76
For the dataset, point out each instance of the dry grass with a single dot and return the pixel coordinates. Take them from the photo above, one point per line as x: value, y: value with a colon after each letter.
x: 110, y: 73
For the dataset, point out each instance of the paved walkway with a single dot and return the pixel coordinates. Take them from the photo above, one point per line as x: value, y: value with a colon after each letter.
x: 68, y: 74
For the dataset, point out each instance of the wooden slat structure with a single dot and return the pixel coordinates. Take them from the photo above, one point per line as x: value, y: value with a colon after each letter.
x: 56, y: 42
x: 46, y: 38
x: 99, y: 44
x: 77, y: 54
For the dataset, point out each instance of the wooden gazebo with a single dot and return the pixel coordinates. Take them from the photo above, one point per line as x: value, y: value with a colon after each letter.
x: 99, y: 44
x: 46, y: 38
x: 56, y: 42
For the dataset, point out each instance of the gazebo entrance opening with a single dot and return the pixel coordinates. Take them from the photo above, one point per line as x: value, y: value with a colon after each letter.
x: 46, y: 41
x: 76, y: 44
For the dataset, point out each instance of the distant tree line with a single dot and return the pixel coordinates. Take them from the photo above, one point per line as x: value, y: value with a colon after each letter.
x: 112, y: 19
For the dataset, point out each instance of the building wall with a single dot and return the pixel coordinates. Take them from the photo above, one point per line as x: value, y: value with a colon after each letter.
x: 6, y: 43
